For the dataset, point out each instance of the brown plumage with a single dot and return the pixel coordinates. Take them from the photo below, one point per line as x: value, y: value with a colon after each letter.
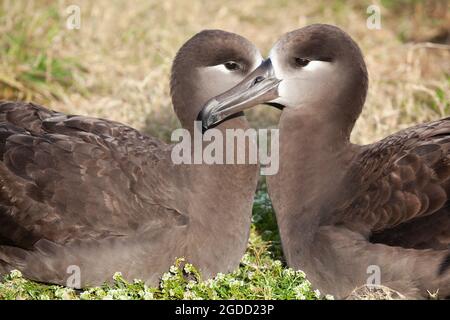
x: 100, y: 195
x: 344, y: 209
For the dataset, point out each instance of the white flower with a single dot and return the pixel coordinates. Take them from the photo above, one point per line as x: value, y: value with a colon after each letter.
x: 15, y: 274
x: 188, y: 295
x: 189, y: 268
x: 148, y: 295
x: 85, y: 295
x: 108, y: 297
x: 306, y: 283
x: 246, y: 259
x: 64, y: 293
x: 329, y: 297
x: 117, y: 276
x: 317, y: 293
x: 289, y: 272
x: 118, y: 294
x: 114, y: 292
x: 190, y: 284
x: 98, y: 292
x: 220, y: 276
x: 237, y: 283
x: 277, y: 263
x: 173, y: 269
x: 209, y: 283
x: 301, y: 273
x: 300, y: 296
x: 304, y: 287
x: 166, y: 276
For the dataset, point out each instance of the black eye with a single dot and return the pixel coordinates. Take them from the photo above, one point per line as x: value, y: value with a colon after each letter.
x: 300, y: 62
x: 232, y: 66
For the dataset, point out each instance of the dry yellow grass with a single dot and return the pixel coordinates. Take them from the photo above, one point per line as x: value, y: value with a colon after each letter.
x: 117, y: 65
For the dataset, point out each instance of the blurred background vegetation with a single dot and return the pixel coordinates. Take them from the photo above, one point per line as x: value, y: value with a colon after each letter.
x: 117, y: 64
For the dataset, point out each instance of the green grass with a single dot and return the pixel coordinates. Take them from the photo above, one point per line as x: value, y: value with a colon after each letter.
x: 117, y: 66
x: 261, y: 275
x: 32, y: 66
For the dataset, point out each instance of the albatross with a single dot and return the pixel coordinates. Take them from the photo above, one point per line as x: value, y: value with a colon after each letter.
x: 104, y: 197
x: 348, y: 214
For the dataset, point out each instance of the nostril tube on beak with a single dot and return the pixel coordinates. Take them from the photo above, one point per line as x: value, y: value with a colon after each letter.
x: 257, y: 80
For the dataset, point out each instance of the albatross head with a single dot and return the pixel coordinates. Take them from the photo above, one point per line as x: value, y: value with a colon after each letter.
x: 209, y: 63
x: 317, y: 67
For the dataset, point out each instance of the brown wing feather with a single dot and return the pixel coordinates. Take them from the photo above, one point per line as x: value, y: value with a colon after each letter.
x: 60, y: 178
x: 400, y: 188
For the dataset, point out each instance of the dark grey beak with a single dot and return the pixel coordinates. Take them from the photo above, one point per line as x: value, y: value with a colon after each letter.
x: 258, y: 87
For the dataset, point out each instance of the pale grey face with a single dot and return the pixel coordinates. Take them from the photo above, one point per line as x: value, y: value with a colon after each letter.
x: 220, y: 77
x: 304, y: 80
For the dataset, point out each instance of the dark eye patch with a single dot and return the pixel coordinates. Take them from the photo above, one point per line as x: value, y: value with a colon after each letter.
x: 301, y: 62
x: 232, y: 66
x: 326, y: 59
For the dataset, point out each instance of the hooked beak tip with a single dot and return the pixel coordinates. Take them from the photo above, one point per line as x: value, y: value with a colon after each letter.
x: 207, y: 115
x: 258, y: 87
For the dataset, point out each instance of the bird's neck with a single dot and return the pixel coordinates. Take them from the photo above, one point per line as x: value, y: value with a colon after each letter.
x: 227, y: 180
x: 222, y: 210
x: 314, y: 152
